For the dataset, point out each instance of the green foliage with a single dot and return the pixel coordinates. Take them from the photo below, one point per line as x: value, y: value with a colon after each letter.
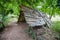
x: 49, y: 7
x: 56, y: 27
x: 58, y: 3
x: 8, y: 7
x: 30, y: 3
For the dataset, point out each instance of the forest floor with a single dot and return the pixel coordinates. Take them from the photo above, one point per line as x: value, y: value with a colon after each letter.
x: 15, y: 31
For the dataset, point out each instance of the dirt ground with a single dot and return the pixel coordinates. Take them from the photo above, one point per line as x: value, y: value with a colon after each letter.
x: 15, y: 31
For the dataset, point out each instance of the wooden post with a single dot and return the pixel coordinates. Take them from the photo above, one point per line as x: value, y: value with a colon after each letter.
x: 21, y: 17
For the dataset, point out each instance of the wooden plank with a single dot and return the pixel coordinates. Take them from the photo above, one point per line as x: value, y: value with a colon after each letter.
x: 34, y: 17
x: 34, y: 22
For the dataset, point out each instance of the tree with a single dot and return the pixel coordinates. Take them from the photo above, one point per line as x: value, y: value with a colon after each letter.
x: 6, y: 7
x: 49, y: 7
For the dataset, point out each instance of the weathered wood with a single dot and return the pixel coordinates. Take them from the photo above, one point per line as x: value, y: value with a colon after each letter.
x: 34, y: 17
x: 21, y: 17
x: 37, y: 21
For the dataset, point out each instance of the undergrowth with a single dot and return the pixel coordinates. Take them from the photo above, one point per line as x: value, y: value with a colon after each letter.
x: 56, y: 28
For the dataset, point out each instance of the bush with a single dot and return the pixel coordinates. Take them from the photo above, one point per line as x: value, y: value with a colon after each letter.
x: 56, y: 29
x: 56, y: 26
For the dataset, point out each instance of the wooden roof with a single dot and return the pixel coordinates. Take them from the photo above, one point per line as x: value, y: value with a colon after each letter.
x: 34, y: 17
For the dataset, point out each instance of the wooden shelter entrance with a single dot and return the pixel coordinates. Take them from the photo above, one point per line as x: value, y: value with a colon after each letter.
x: 33, y: 17
x: 37, y: 22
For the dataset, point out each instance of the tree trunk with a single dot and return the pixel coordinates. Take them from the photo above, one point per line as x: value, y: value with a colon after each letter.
x: 52, y: 13
x: 51, y: 16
